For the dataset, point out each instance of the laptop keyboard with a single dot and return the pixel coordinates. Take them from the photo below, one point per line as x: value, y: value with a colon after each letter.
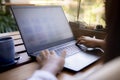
x: 70, y: 50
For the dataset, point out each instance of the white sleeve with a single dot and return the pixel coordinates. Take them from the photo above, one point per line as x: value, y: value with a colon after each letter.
x: 42, y: 75
x: 110, y: 71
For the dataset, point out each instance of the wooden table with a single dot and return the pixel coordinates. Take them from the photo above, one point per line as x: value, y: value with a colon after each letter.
x: 26, y: 67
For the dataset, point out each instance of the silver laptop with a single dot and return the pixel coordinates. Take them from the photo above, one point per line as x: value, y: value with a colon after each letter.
x: 46, y: 27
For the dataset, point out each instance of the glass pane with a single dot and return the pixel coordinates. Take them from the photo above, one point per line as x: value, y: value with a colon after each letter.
x: 69, y: 6
x: 92, y: 12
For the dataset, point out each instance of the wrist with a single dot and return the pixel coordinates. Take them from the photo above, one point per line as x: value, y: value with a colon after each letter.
x: 52, y: 68
x: 100, y: 44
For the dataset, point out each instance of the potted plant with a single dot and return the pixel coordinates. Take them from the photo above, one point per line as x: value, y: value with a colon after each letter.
x: 7, y: 23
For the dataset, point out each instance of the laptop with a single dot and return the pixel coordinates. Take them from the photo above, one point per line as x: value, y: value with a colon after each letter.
x: 46, y: 27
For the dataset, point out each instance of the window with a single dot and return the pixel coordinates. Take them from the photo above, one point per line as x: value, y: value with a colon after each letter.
x: 69, y: 6
x: 92, y: 12
x: 88, y: 12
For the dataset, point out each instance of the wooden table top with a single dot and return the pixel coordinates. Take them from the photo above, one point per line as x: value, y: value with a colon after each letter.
x: 25, y: 67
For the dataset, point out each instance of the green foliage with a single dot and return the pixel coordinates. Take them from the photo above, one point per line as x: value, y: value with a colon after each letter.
x: 7, y: 23
x: 92, y: 12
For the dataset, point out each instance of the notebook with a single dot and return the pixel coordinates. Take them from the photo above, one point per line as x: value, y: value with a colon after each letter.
x: 46, y: 27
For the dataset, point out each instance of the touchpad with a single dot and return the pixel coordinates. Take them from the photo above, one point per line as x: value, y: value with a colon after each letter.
x: 79, y: 61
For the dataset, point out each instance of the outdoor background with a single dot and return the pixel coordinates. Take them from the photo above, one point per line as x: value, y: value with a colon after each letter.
x: 87, y: 12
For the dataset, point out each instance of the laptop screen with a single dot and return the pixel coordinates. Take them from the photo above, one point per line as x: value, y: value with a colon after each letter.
x: 42, y: 27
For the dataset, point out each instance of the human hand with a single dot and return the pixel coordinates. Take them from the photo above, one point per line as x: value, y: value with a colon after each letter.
x: 51, y: 62
x: 88, y: 41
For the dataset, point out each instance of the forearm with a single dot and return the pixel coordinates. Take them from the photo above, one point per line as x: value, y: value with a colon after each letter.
x: 51, y: 68
x: 100, y: 44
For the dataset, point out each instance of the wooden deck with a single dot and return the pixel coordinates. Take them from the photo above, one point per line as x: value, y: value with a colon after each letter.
x: 25, y: 67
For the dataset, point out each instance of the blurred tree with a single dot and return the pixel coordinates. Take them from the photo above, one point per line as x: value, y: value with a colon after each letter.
x: 7, y: 23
